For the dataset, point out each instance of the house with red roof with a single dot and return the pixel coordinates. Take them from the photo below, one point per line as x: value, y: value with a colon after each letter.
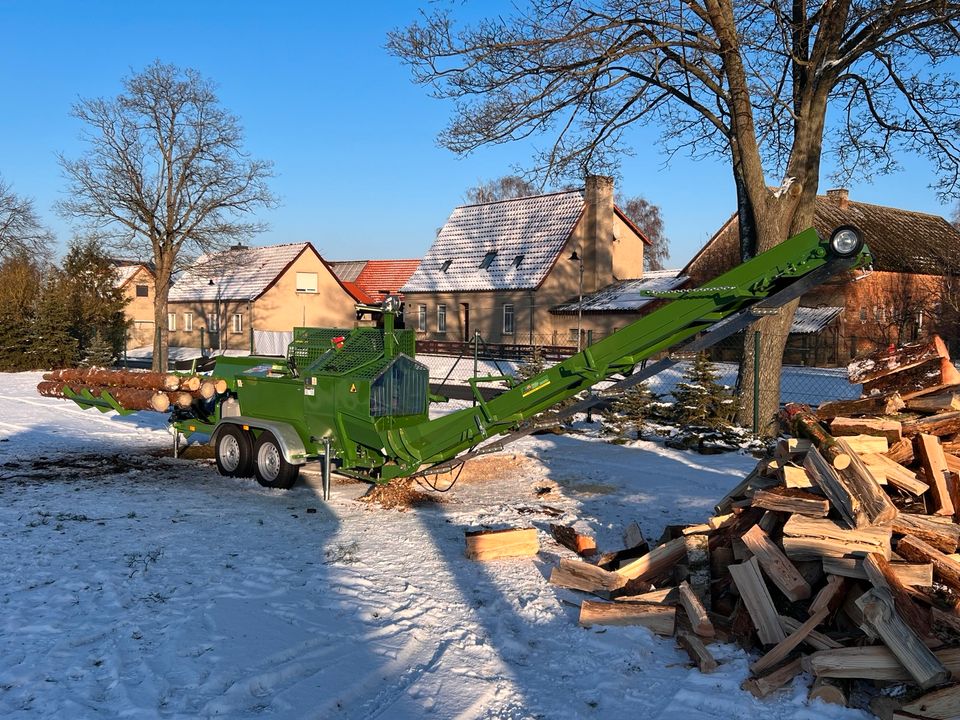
x: 223, y: 298
x: 499, y: 268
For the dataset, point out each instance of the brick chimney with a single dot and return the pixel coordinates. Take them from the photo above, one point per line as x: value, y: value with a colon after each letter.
x: 598, y: 236
x: 839, y: 197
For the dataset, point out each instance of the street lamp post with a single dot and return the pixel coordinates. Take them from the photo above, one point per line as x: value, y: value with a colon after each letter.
x: 575, y: 257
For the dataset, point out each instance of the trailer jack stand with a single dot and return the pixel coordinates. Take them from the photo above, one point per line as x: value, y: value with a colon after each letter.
x: 176, y: 444
x: 326, y: 469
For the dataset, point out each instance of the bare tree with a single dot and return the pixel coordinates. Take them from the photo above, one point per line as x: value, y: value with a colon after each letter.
x: 164, y: 175
x: 646, y: 216
x: 750, y: 81
x: 507, y: 187
x: 20, y: 228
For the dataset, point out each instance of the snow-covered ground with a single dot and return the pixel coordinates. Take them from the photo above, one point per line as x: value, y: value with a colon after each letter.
x: 136, y: 586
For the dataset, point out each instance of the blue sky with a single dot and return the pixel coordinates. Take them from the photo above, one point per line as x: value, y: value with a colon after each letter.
x: 353, y: 140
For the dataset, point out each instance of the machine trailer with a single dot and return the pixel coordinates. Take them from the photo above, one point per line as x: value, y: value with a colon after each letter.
x: 357, y: 399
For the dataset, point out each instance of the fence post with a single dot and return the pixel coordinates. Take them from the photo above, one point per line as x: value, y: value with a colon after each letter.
x: 202, y: 346
x: 476, y: 357
x: 252, y: 351
x: 756, y: 382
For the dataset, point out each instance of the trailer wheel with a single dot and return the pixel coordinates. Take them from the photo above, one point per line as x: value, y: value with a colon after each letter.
x: 271, y: 468
x: 234, y: 452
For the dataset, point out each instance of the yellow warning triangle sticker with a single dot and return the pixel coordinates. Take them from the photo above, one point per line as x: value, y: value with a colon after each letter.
x: 353, y: 387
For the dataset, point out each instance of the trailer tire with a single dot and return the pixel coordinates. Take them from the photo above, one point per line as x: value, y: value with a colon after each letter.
x: 270, y: 467
x: 234, y: 452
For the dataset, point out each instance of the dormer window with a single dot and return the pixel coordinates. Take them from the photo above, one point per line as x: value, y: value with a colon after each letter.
x: 488, y: 259
x: 446, y: 265
x: 517, y: 260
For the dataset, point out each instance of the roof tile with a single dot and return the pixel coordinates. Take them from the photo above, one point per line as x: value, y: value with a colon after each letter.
x: 533, y: 227
x: 389, y: 275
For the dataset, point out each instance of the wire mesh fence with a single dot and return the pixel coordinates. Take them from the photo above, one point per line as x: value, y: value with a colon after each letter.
x: 797, y: 382
x: 809, y: 374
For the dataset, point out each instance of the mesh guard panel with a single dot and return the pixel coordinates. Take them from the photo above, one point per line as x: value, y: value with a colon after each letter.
x: 309, y: 344
x: 401, y: 389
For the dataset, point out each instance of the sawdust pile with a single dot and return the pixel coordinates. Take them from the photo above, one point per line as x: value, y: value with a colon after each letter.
x: 483, y: 469
x: 399, y: 495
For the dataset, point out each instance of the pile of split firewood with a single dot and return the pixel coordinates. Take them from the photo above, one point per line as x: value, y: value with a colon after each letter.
x: 837, y: 556
x: 130, y: 389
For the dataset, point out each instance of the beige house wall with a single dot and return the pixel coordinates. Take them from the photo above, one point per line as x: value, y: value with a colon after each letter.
x: 139, y: 310
x: 627, y: 251
x: 280, y: 308
x: 203, y: 318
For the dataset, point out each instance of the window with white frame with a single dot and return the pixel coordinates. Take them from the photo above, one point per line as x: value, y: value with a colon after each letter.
x: 508, y: 319
x: 188, y: 322
x: 306, y: 282
x: 171, y: 322
x: 441, y: 318
x: 422, y: 318
x: 238, y: 323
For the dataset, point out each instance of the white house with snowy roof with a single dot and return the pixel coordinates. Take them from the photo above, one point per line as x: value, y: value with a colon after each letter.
x: 223, y: 298
x: 499, y: 268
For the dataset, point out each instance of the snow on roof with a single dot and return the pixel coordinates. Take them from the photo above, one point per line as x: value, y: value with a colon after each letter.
x: 810, y: 321
x: 124, y: 273
x: 624, y: 295
x: 237, y: 274
x: 389, y: 275
x: 505, y: 245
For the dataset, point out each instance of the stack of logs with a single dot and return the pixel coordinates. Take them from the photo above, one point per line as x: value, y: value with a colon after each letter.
x: 133, y: 389
x: 838, y: 556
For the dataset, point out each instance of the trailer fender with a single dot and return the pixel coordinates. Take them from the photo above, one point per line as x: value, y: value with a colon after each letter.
x: 291, y: 445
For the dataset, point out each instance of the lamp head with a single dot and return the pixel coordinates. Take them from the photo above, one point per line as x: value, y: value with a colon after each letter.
x: 846, y: 241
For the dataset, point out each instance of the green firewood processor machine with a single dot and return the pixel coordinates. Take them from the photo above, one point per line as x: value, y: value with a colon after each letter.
x: 358, y: 400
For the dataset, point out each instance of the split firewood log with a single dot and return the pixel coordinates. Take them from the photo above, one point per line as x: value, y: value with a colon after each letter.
x: 803, y: 423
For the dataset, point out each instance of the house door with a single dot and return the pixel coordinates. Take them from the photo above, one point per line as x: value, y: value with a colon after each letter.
x: 465, y: 321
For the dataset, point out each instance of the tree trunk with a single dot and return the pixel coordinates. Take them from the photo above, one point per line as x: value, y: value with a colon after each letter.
x: 783, y: 213
x: 774, y: 225
x: 160, y: 336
